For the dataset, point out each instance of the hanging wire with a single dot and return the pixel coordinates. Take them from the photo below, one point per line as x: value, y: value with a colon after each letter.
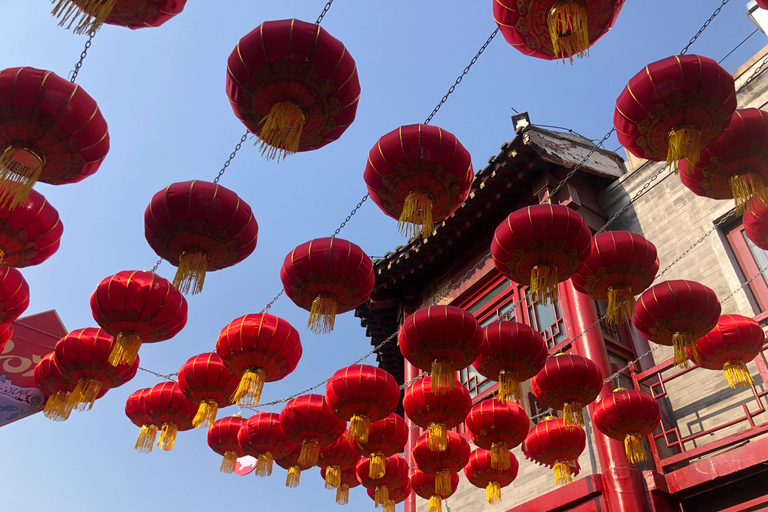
x: 739, y: 45
x: 232, y: 156
x: 325, y: 11
x: 73, y: 74
x: 166, y: 376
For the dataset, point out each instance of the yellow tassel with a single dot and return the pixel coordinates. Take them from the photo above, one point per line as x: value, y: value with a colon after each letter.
x: 91, y: 13
x: 125, y: 349
x: 167, y: 436
x: 633, y: 447
x: 146, y: 439
x: 389, y: 506
x: 568, y: 29
x: 206, y: 414
x: 294, y: 477
x: 251, y: 385
x: 322, y: 315
x: 744, y: 187
x: 280, y: 132
x: 493, y: 493
x: 229, y: 462
x: 190, y: 275
x: 435, y: 504
x: 342, y: 494
x: 264, y: 464
x: 573, y: 414
x: 509, y: 386
x: 310, y: 452
x: 500, y: 456
x: 437, y: 440
x: 20, y: 168
x: 737, y: 375
x: 544, y: 283
x: 84, y: 395
x: 377, y: 469
x: 684, y: 142
x: 359, y: 427
x: 621, y: 305
x: 58, y: 407
x: 332, y: 477
x: 563, y: 472
x: 443, y: 483
x: 380, y: 495
x: 416, y: 217
x: 443, y: 376
x: 680, y: 341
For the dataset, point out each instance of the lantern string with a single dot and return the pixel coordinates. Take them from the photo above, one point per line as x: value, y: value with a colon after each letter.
x: 73, y: 74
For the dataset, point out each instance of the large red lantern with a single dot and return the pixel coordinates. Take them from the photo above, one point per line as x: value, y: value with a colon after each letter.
x: 756, y: 222
x: 259, y: 348
x: 555, y: 29
x: 170, y: 411
x: 291, y: 463
x: 84, y: 16
x: 134, y: 409
x: 14, y: 294
x: 628, y: 415
x: 674, y: 108
x: 335, y: 458
x: 50, y: 131
x: 395, y: 495
x: 30, y: 233
x: 568, y: 382
x: 497, y: 427
x: 483, y: 473
x: 554, y: 444
x: 261, y: 437
x: 396, y: 474
x: 205, y: 380
x: 435, y: 412
x: 442, y: 340
x: 540, y: 246
x: 511, y: 353
x: 137, y: 307
x: 56, y: 387
x: 222, y: 438
x: 677, y: 313
x: 327, y: 276
x: 348, y: 480
x: 199, y: 227
x: 292, y: 85
x: 309, y: 422
x: 441, y: 464
x: 424, y: 485
x: 620, y: 265
x: 362, y: 394
x: 386, y: 438
x: 418, y: 174
x: 763, y: 4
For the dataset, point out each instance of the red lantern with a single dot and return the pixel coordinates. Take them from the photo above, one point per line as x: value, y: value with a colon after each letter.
x: 14, y: 294
x: 756, y: 222
x: 497, y: 427
x: 394, y: 496
x: 386, y: 438
x: 628, y: 415
x: 137, y: 307
x: 262, y: 437
x: 424, y: 485
x: 134, y: 409
x: 6, y: 331
x: 199, y: 227
x: 334, y: 459
x: 483, y: 473
x: 309, y: 422
x: 205, y: 380
x: 56, y: 387
x: 418, y: 174
x: 568, y: 382
x: 30, y: 233
x: 290, y: 463
x: 437, y: 413
x: 170, y: 411
x: 674, y: 108
x: 763, y: 4
x: 361, y: 394
x: 441, y: 464
x: 222, y: 438
x: 292, y: 85
x: 85, y: 16
x: 677, y: 313
x: 327, y: 276
x: 348, y: 481
x: 541, y: 246
x: 50, y: 131
x: 258, y: 348
x: 554, y: 444
x: 620, y: 265
x: 443, y: 339
x: 511, y: 353
x: 729, y: 346
x: 396, y: 474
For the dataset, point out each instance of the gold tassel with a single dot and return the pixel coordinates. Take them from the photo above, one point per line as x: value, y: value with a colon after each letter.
x: 389, y: 506
x: 264, y: 464
x: 493, y: 493
x: 443, y: 376
x: 167, y: 436
x: 332, y: 477
x: 680, y: 341
x: 280, y: 132
x: 146, y: 439
x: 443, y: 483
x: 568, y: 29
x: 416, y: 217
x: 380, y: 496
x: 500, y: 456
x: 563, y: 472
x: 91, y: 13
x: 125, y: 349
x: 435, y: 504
x: 633, y: 447
x: 737, y: 375
x: 544, y: 283
x: 206, y: 414
x: 310, y: 452
x: 377, y: 469
x: 509, y: 386
x: 744, y: 187
x: 190, y: 274
x: 359, y: 427
x: 342, y: 494
x: 229, y: 462
x: 294, y: 477
x: 621, y: 305
x: 684, y: 142
x: 251, y: 385
x: 20, y: 168
x: 84, y: 395
x: 58, y: 407
x: 437, y: 439
x: 573, y: 414
x: 322, y: 315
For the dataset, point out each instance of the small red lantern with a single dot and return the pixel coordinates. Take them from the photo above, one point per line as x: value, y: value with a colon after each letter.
x: 674, y: 108
x: 258, y: 348
x: 437, y: 413
x: 327, y: 276
x: 394, y: 496
x: 386, y: 438
x: 309, y: 422
x: 292, y: 85
x: 443, y: 339
x: 628, y: 415
x: 424, y: 485
x: 56, y: 387
x: 335, y: 458
x: 620, y: 265
x: 418, y: 174
x: 134, y: 409
x: 554, y: 444
x: 50, y: 131
x: 497, y: 427
x: 170, y: 411
x: 677, y: 313
x: 6, y: 331
x: 199, y: 227
x: 14, y: 294
x: 396, y: 474
x: 568, y: 383
x: 756, y: 222
x: 348, y: 481
x: 222, y: 438
x: 511, y: 353
x: 205, y: 380
x: 137, y: 307
x: 291, y: 463
x: 85, y: 16
x: 361, y: 394
x: 481, y: 472
x: 540, y: 246
x: 441, y: 464
x: 30, y: 233
x: 262, y: 437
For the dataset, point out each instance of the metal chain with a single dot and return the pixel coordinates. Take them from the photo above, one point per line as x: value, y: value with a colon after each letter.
x: 583, y: 161
x: 168, y: 376
x: 73, y: 74
x: 231, y: 156
x: 637, y: 196
x: 703, y: 27
x: 325, y: 11
x: 154, y: 269
x: 755, y: 74
x: 696, y: 243
x: 270, y: 303
x: 351, y: 214
x: 748, y: 281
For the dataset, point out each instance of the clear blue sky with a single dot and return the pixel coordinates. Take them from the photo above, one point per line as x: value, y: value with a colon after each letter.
x: 162, y: 94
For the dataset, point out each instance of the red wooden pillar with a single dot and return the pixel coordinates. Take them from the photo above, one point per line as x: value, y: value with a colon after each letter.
x: 622, y: 483
x: 411, y: 372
